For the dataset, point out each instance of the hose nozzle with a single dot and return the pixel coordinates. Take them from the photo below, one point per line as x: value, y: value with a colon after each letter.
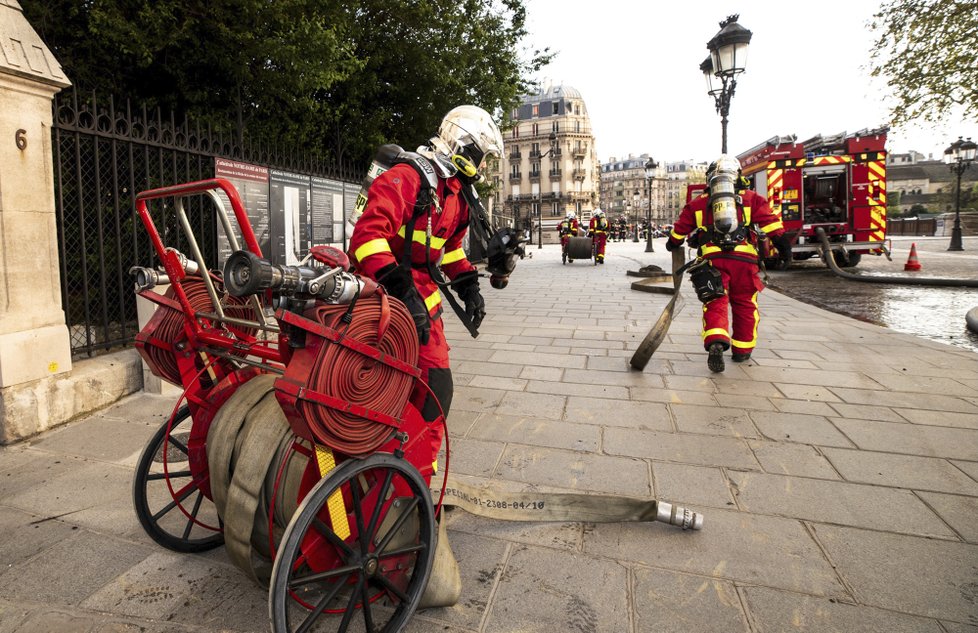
x: 678, y: 516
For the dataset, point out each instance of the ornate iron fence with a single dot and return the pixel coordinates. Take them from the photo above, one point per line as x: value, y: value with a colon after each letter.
x: 103, y: 156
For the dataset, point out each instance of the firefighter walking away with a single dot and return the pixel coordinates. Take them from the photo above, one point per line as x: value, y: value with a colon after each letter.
x: 720, y: 224
x: 598, y: 230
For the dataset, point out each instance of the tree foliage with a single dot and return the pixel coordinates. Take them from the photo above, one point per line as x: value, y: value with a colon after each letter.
x: 326, y: 76
x: 925, y: 49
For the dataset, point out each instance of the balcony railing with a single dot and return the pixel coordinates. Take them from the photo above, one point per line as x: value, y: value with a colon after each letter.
x: 515, y: 154
x: 579, y: 152
x: 534, y: 175
x: 515, y: 177
x: 535, y: 153
x: 555, y: 174
x: 579, y: 174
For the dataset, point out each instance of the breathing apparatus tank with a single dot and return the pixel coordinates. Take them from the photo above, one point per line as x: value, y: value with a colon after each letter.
x: 723, y: 198
x: 384, y: 160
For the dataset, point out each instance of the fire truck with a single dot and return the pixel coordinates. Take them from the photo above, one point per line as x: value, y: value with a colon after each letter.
x: 836, y: 183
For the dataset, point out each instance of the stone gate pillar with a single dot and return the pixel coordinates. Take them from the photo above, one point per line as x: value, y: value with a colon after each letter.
x: 34, y: 341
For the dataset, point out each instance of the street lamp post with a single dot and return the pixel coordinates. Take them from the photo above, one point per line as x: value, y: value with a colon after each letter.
x: 728, y: 58
x: 650, y: 168
x: 633, y: 218
x: 553, y: 148
x: 958, y: 157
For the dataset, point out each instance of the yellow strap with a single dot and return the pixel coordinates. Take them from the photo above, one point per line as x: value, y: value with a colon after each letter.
x: 419, y: 236
x: 372, y: 247
x: 746, y: 215
x: 432, y: 300
x: 740, y: 248
x: 337, y: 509
x: 456, y: 255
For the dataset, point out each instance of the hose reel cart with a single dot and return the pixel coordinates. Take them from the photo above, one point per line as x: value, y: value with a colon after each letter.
x: 294, y: 443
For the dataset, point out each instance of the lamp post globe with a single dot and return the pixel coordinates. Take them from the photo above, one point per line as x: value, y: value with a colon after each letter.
x: 959, y: 157
x: 650, y: 168
x: 728, y: 58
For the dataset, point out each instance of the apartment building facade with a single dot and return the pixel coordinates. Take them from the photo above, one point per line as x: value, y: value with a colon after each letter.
x: 626, y: 190
x: 550, y: 164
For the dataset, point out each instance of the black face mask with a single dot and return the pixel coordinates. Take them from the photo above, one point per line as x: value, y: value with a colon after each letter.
x: 504, y: 251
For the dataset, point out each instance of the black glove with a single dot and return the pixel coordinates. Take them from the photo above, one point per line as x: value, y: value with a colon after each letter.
x: 467, y: 288
x: 671, y: 246
x: 398, y: 283
x: 783, y: 244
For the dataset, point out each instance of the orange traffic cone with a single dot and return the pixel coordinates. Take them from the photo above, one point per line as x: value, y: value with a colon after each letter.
x: 912, y: 263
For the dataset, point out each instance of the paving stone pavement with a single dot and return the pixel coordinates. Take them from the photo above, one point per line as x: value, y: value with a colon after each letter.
x: 837, y: 471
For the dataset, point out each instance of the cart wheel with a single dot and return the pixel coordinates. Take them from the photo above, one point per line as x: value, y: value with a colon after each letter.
x: 321, y: 580
x: 184, y: 520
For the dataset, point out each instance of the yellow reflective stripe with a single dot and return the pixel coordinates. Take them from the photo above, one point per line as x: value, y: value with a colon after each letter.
x: 676, y: 235
x: 746, y: 215
x: 456, y: 255
x: 773, y: 226
x: 432, y: 300
x: 337, y: 509
x: 757, y: 318
x: 715, y: 331
x: 699, y: 219
x: 420, y: 237
x: 740, y: 248
x: 372, y: 247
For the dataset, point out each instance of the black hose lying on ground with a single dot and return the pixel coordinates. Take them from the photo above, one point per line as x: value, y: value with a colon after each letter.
x: 888, y: 279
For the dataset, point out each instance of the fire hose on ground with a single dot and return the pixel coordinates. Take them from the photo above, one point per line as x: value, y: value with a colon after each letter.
x: 888, y: 279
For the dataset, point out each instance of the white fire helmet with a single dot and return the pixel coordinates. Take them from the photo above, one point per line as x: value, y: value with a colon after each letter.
x: 465, y: 137
x: 571, y: 215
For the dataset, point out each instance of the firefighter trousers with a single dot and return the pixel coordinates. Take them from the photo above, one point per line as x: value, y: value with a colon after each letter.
x: 436, y: 373
x: 742, y: 284
x: 600, y: 237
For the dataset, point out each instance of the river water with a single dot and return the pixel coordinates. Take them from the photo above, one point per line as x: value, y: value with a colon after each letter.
x: 935, y: 313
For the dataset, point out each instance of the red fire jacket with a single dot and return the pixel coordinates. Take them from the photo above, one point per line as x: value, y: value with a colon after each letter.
x: 697, y: 216
x: 380, y: 233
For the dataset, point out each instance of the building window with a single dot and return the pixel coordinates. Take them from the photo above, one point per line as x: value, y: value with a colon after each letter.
x: 536, y: 129
x: 536, y: 110
x: 516, y: 114
x: 577, y: 126
x: 556, y: 107
x: 556, y: 126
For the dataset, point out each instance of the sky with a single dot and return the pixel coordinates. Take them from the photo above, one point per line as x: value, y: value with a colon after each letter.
x: 636, y: 64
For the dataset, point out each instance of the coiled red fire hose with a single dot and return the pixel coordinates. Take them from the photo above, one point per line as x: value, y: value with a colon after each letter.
x: 359, y: 380
x: 171, y: 323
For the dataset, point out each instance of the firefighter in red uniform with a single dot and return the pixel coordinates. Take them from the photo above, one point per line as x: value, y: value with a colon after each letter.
x: 465, y: 137
x: 569, y: 227
x: 598, y: 230
x: 720, y: 223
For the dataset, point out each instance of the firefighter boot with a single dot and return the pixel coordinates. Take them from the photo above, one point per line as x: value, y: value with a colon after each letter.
x: 715, y: 359
x: 741, y: 358
x: 445, y: 583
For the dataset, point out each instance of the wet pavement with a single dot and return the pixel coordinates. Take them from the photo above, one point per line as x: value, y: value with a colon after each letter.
x: 932, y: 312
